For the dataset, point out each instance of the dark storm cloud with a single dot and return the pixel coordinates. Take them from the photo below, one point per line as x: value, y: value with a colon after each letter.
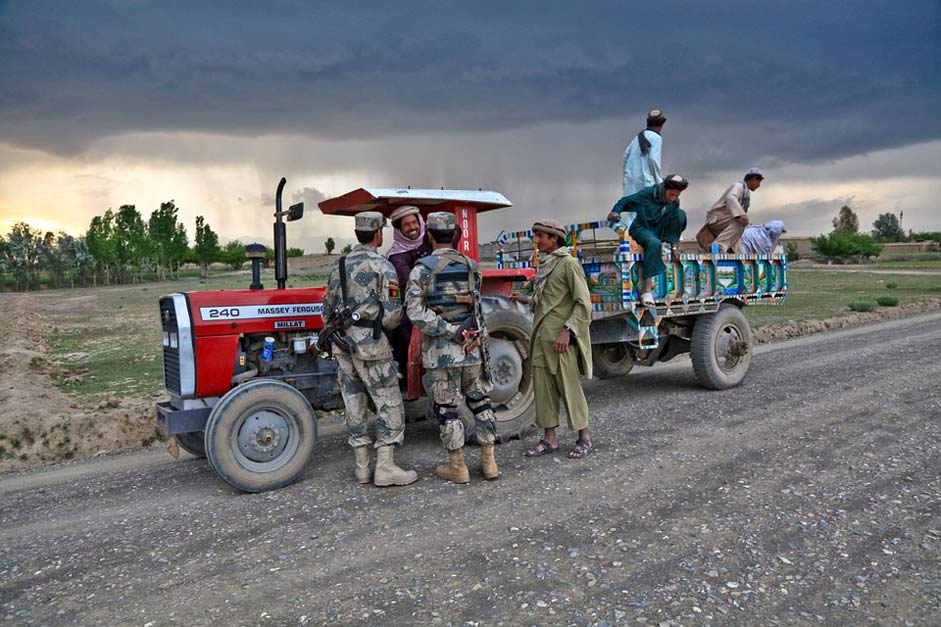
x: 795, y: 81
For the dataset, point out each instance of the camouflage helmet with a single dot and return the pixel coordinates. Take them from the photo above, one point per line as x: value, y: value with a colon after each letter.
x: 441, y: 221
x: 369, y: 221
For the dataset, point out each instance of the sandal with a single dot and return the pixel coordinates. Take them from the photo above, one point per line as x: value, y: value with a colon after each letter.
x: 545, y: 450
x: 582, y: 449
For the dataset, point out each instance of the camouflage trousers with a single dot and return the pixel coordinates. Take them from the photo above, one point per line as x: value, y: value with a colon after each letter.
x: 449, y: 387
x: 377, y: 381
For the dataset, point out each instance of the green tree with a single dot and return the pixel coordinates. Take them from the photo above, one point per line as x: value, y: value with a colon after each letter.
x: 24, y: 252
x: 886, y: 228
x: 206, y: 249
x: 329, y: 245
x: 99, y: 240
x: 846, y: 221
x: 162, y: 231
x: 131, y: 244
x: 294, y: 252
x: 4, y: 263
x: 924, y: 236
x: 233, y: 254
x: 843, y: 245
x: 347, y: 249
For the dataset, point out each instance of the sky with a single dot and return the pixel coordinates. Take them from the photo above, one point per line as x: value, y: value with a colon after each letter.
x: 105, y: 103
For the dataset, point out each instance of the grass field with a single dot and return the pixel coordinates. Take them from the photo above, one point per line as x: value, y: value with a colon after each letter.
x: 821, y: 294
x: 110, y: 337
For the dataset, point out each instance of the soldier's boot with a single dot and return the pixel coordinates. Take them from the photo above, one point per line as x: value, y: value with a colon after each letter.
x: 362, y: 464
x: 387, y: 473
x: 488, y: 464
x: 455, y: 470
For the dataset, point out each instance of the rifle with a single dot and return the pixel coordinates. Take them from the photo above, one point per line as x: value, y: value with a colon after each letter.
x: 473, y: 326
x: 332, y: 333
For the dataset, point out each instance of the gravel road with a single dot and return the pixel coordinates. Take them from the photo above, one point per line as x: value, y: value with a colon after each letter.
x: 809, y: 496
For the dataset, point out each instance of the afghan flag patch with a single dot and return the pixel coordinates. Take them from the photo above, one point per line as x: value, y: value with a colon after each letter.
x: 394, y: 289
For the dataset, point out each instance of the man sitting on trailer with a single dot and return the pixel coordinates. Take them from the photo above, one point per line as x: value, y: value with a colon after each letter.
x: 659, y: 219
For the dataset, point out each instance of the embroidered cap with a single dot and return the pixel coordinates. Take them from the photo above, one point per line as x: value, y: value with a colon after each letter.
x: 401, y: 212
x: 755, y: 172
x: 552, y: 227
x: 675, y: 181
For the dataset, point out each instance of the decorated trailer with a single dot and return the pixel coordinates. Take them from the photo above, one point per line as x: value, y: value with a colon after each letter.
x: 699, y: 301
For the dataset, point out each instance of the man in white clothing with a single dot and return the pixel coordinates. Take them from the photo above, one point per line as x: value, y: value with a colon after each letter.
x: 642, y: 158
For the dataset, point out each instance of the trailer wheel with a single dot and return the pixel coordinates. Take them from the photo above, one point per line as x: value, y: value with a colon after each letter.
x: 261, y: 435
x: 612, y: 360
x: 509, y: 325
x: 721, y: 348
x: 193, y: 443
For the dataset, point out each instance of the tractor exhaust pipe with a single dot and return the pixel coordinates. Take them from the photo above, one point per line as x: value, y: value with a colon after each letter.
x: 280, y: 240
x: 294, y: 212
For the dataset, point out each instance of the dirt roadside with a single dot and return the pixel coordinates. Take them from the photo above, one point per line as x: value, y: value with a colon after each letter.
x: 41, y: 424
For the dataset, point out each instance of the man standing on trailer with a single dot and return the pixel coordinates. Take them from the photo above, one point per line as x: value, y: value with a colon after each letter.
x: 560, y: 345
x: 440, y: 300
x: 366, y: 282
x: 643, y: 156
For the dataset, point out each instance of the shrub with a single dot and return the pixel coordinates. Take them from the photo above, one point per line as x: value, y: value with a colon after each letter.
x: 841, y: 245
x: 791, y: 249
x: 861, y: 307
x: 891, y: 286
x: 887, y: 301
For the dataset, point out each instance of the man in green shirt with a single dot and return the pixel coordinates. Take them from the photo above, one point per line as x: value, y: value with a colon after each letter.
x: 560, y: 346
x: 659, y: 219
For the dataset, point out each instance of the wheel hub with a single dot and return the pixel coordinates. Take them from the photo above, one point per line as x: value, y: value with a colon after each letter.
x: 262, y: 436
x: 731, y: 347
x: 506, y: 368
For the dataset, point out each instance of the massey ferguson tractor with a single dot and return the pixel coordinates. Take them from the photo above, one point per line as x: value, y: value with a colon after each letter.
x: 246, y: 381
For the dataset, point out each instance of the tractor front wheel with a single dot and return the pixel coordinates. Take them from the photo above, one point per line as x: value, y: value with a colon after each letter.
x: 261, y: 435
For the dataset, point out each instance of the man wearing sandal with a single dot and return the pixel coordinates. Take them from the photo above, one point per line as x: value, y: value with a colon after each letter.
x: 559, y: 346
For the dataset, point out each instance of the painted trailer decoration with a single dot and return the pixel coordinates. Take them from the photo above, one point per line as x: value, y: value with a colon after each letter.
x: 698, y: 301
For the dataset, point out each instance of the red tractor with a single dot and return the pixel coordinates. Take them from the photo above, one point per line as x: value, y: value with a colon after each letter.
x: 244, y: 376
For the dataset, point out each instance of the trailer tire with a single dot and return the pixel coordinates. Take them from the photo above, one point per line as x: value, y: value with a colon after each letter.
x: 609, y: 361
x: 509, y: 325
x: 193, y: 443
x: 261, y: 435
x: 721, y: 348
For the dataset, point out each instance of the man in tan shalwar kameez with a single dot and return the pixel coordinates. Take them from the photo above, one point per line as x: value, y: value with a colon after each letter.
x: 560, y: 346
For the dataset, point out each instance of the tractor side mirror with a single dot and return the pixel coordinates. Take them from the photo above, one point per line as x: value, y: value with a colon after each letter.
x: 295, y: 212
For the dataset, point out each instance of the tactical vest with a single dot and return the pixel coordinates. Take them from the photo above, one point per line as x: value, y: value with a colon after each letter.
x: 451, y: 275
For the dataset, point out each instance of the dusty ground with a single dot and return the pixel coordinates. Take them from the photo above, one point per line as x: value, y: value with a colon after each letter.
x: 38, y: 422
x: 809, y: 496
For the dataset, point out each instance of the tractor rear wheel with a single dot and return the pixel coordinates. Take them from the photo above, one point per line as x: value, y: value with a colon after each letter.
x: 261, y: 435
x: 509, y: 325
x: 611, y: 360
x: 193, y: 443
x: 721, y: 348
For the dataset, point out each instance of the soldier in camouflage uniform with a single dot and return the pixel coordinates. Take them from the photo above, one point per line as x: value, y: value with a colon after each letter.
x: 369, y: 372
x: 438, y: 300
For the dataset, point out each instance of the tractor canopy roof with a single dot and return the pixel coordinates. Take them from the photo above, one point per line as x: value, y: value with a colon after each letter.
x: 385, y: 200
